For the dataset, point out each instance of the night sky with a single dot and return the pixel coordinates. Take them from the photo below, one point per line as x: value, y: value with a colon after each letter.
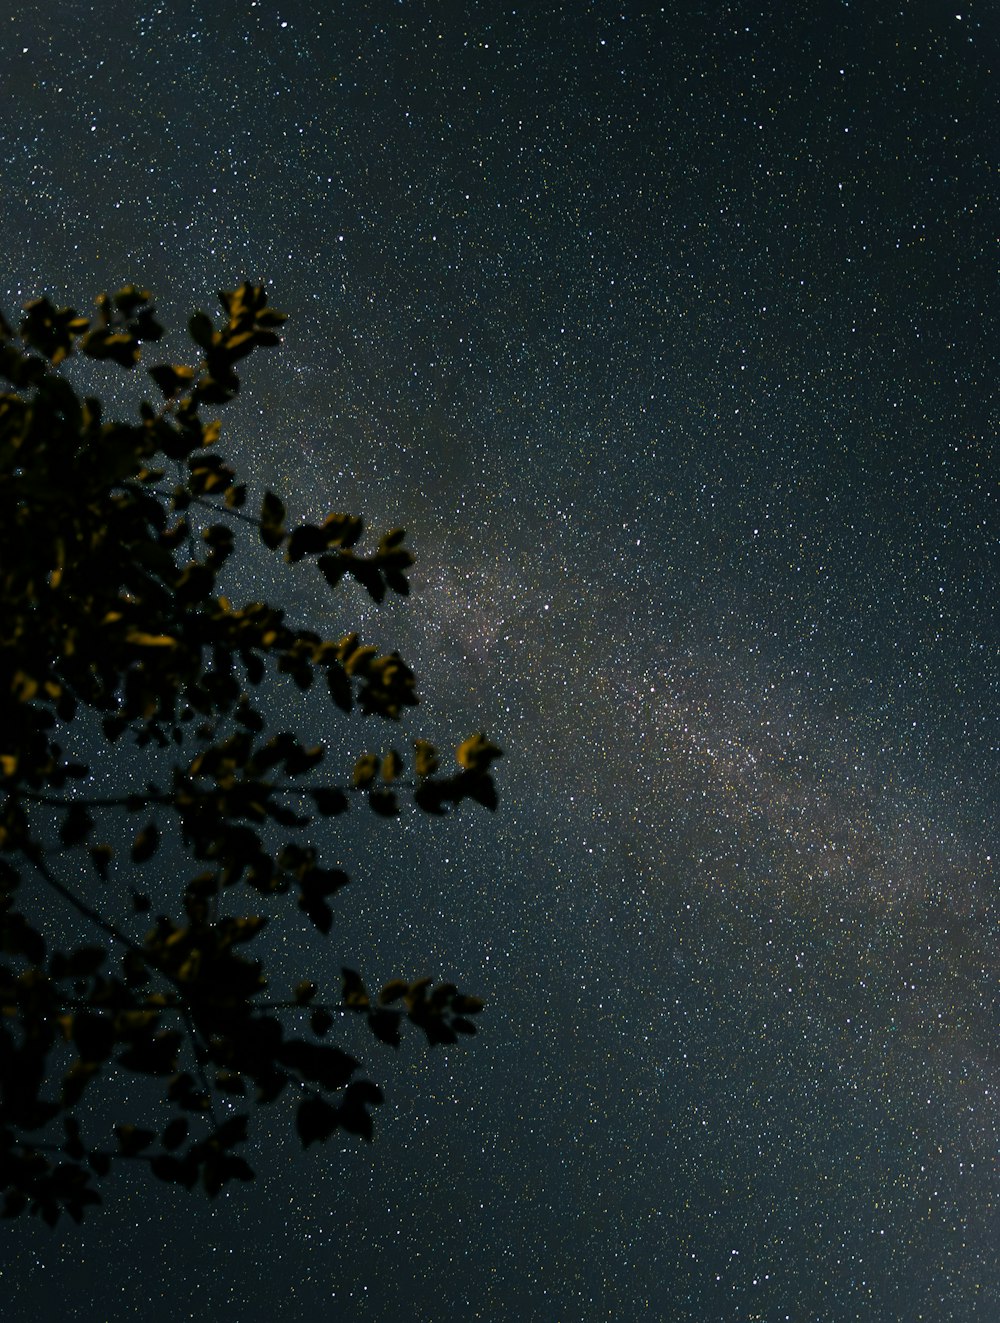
x: 666, y: 333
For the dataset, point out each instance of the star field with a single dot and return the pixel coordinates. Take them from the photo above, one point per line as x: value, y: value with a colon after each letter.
x: 666, y: 331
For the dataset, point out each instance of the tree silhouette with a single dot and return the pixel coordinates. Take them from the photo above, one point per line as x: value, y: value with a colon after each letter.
x: 114, y: 638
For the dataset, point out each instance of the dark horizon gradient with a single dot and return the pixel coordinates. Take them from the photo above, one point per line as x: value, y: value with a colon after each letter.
x: 667, y: 333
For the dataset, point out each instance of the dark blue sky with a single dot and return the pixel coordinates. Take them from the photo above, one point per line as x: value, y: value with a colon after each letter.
x: 667, y: 332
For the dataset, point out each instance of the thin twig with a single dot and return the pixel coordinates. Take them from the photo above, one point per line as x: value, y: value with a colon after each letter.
x: 196, y: 1043
x: 94, y: 801
x: 162, y: 797
x: 41, y: 1146
x: 208, y: 505
x: 82, y: 907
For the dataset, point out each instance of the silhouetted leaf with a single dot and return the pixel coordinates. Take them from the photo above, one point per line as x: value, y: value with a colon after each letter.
x: 73, y: 1147
x: 100, y: 857
x: 329, y: 800
x: 146, y: 843
x: 94, y: 1036
x: 315, y: 1121
x: 228, y: 1082
x: 317, y: 1062
x: 272, y: 521
x: 201, y: 330
x: 17, y: 936
x: 383, y: 802
x: 121, y: 346
x: 393, y: 991
x: 477, y: 752
x: 155, y: 1055
x: 75, y: 1081
x: 132, y: 1139
x: 321, y: 1022
x: 352, y: 1113
x: 76, y: 827
x: 172, y: 378
x: 83, y: 962
x: 385, y: 1025
x: 365, y: 770
x: 353, y: 991
x: 181, y: 1171
x: 175, y: 1133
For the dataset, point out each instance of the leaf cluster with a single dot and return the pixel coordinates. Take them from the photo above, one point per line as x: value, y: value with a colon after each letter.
x: 112, y: 616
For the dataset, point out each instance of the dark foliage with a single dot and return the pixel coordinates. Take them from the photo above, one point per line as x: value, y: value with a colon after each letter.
x: 111, y: 621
